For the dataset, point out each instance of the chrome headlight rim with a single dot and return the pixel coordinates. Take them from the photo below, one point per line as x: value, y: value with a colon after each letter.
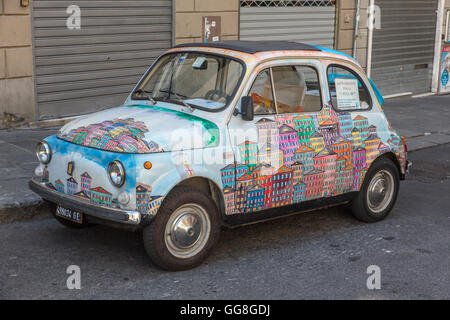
x: 122, y: 173
x: 46, y: 149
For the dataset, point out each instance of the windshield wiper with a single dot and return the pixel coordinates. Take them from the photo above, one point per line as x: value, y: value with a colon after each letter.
x: 142, y: 96
x: 187, y: 105
x: 179, y: 99
x: 170, y: 92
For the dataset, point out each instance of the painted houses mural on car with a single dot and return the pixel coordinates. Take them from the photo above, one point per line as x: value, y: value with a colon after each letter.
x: 303, y: 157
x: 118, y: 135
x: 130, y: 137
x: 146, y: 202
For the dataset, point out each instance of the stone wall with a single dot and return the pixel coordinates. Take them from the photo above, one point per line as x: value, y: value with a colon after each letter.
x: 189, y: 13
x: 188, y: 23
x: 346, y: 29
x: 447, y: 7
x: 16, y: 62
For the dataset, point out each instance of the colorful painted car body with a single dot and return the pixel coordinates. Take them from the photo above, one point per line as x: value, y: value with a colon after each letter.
x: 273, y: 160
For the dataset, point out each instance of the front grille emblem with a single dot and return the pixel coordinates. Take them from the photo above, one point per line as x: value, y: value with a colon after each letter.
x: 70, y: 168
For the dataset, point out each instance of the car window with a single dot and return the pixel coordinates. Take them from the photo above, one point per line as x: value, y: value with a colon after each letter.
x: 202, y: 80
x: 197, y: 82
x: 233, y: 76
x: 188, y: 81
x: 297, y: 89
x: 261, y: 93
x: 347, y: 90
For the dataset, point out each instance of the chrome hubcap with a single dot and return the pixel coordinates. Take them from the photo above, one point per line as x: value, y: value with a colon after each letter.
x: 187, y: 231
x: 380, y: 191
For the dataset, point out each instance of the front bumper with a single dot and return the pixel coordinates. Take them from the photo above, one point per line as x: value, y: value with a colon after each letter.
x: 109, y: 214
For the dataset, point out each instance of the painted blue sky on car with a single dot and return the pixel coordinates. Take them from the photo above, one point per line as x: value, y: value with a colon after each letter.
x: 92, y: 160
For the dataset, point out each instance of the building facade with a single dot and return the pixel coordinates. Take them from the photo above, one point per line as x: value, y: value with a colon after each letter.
x: 288, y: 143
x: 51, y: 69
x: 282, y: 187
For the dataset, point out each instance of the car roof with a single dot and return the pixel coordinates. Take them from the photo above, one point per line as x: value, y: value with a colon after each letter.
x: 252, y: 47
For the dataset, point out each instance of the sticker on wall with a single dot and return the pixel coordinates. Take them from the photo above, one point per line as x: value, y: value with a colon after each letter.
x: 445, y: 70
x: 211, y: 28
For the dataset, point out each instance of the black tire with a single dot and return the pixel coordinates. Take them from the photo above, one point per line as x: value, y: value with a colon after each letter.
x: 360, y: 207
x: 154, y: 235
x: 67, y: 223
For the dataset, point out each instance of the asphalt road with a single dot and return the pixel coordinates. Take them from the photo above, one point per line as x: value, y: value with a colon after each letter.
x: 320, y: 255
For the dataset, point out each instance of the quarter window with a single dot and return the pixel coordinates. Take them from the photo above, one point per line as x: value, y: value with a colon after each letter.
x: 347, y: 90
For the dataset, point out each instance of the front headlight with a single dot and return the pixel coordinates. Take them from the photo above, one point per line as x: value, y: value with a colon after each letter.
x: 116, y: 173
x: 43, y: 152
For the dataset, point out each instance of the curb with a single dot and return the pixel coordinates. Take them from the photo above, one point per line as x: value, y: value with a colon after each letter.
x: 426, y: 141
x: 427, y: 147
x: 15, y: 213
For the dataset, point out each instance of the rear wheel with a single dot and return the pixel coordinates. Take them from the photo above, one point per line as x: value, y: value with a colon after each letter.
x: 184, y: 231
x: 378, y: 193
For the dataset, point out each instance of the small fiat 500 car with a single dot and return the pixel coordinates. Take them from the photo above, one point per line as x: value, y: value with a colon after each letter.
x: 224, y: 134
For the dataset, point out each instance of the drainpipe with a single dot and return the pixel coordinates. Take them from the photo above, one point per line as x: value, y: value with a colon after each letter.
x: 370, y: 37
x: 355, y: 35
x: 438, y: 46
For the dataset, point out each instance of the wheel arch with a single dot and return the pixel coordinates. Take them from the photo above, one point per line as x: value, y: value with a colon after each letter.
x: 206, y: 185
x: 390, y: 156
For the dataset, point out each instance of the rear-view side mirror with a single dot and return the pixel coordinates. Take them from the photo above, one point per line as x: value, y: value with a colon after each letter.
x: 247, y: 108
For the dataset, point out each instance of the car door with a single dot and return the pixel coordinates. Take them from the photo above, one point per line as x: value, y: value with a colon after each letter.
x: 364, y: 132
x: 273, y: 151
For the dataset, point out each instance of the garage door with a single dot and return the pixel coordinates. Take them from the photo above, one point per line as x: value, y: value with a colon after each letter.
x: 82, y: 70
x: 306, y: 21
x: 403, y: 46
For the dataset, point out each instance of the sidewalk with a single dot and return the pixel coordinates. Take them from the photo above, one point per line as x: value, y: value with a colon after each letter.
x: 17, y: 163
x: 423, y: 121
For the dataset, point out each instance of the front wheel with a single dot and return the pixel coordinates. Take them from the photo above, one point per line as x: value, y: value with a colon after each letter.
x: 378, y: 193
x: 184, y: 231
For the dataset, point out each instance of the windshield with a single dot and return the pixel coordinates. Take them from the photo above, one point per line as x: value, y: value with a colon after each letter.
x: 197, y: 80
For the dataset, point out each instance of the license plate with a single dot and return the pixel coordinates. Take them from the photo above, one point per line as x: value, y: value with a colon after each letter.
x: 69, y: 214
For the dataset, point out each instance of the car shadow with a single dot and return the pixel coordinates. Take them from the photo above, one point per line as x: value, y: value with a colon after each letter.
x: 99, y: 243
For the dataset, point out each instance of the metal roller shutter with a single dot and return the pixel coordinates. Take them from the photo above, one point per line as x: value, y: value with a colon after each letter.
x: 403, y: 48
x: 79, y: 71
x: 305, y: 21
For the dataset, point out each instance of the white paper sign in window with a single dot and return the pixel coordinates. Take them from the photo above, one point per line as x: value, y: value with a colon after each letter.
x: 198, y: 62
x: 347, y: 94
